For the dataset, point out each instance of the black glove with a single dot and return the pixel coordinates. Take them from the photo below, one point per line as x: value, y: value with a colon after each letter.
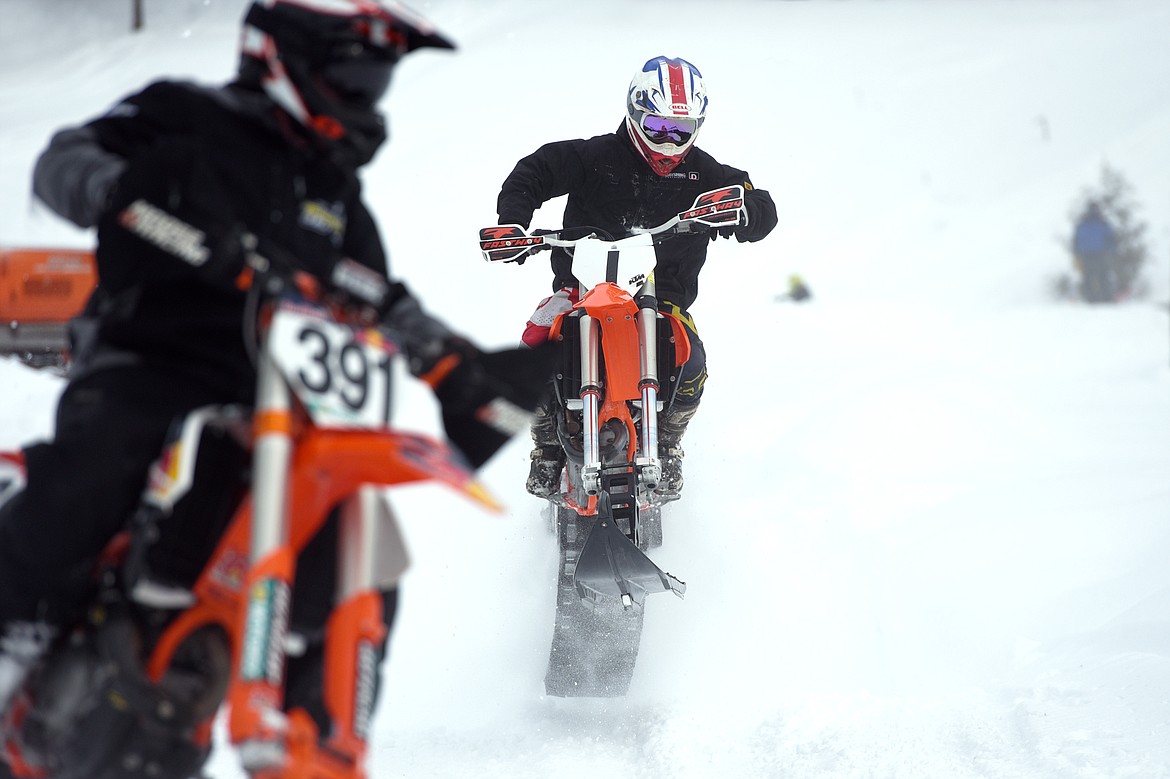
x: 738, y: 230
x: 523, y: 222
x: 486, y: 398
x: 173, y: 214
x: 515, y: 219
x: 426, y: 339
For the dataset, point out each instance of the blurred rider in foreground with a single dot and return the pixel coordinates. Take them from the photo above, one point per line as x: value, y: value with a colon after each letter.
x: 172, y: 178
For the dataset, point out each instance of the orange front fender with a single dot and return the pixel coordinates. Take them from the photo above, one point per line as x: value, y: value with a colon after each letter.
x: 615, y: 312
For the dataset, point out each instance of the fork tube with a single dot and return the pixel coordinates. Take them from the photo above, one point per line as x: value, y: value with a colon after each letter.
x: 256, y: 723
x: 356, y: 628
x: 590, y: 392
x: 271, y: 461
x: 358, y: 545
x: 648, y: 335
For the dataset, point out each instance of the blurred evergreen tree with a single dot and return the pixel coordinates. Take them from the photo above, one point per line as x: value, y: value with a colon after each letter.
x: 1114, y: 194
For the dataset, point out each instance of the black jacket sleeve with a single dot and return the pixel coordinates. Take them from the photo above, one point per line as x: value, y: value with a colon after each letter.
x: 424, y: 337
x: 74, y: 175
x: 551, y: 171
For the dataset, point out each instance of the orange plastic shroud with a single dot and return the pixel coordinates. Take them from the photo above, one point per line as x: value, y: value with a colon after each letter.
x: 40, y: 286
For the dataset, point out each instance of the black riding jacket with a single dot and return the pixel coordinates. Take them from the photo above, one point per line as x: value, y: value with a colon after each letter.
x: 611, y: 187
x: 223, y: 160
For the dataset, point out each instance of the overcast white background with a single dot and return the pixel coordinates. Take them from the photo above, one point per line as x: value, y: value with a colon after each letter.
x: 927, y: 514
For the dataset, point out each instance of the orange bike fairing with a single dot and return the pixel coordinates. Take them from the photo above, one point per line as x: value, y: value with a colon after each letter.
x: 343, y: 460
x: 45, y: 285
x: 615, y: 312
x: 554, y: 332
x: 682, y: 341
x: 327, y: 465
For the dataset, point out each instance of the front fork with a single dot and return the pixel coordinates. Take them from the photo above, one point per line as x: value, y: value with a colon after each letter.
x: 371, y: 557
x: 590, y: 339
x: 257, y: 721
x: 646, y: 461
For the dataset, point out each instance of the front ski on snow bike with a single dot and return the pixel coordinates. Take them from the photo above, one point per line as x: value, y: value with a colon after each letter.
x: 621, y: 362
x: 133, y: 689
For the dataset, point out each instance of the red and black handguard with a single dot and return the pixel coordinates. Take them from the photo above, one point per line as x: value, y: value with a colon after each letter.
x: 508, y: 243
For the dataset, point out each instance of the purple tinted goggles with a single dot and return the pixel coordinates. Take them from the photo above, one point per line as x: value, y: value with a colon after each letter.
x: 665, y: 129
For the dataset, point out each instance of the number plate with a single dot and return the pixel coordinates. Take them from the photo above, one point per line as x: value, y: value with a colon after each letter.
x: 594, y: 262
x: 341, y: 373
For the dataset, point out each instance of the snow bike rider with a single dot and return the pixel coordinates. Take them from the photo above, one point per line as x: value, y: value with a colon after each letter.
x: 639, y: 176
x: 172, y: 177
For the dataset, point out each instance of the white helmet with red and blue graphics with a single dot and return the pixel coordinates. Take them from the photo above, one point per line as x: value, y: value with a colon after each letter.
x: 327, y: 63
x: 665, y: 108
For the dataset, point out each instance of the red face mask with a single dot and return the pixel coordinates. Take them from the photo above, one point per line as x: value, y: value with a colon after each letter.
x: 660, y: 163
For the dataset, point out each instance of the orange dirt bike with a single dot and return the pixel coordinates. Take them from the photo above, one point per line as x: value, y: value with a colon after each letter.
x: 133, y: 689
x: 620, y: 366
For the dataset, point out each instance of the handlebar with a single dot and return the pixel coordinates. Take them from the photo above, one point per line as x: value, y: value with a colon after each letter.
x: 278, y: 269
x: 722, y: 207
x: 353, y: 292
x: 569, y: 236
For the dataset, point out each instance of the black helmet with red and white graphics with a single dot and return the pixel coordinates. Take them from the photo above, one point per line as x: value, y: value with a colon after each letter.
x: 665, y: 108
x: 327, y: 63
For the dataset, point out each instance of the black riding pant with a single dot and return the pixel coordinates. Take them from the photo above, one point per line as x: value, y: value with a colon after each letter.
x: 83, y: 485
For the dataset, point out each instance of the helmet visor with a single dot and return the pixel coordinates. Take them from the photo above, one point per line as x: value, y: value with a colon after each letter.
x: 666, y: 129
x: 359, y: 81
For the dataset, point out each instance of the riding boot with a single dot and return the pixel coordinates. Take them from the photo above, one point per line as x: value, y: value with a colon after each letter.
x: 671, y: 427
x: 548, y: 458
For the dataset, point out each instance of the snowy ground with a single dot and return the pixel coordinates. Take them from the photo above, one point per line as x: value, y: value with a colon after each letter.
x: 927, y: 514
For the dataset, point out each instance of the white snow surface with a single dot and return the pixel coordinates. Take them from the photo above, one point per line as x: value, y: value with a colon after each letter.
x: 927, y: 514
